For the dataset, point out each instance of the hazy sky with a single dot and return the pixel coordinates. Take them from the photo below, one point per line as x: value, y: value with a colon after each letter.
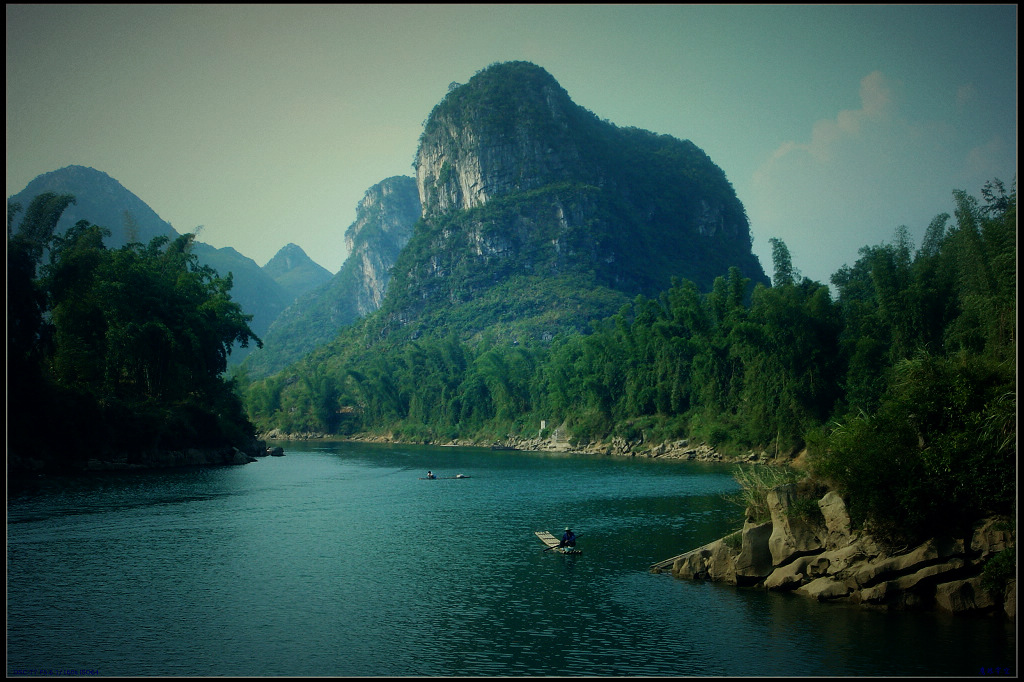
x: 265, y: 124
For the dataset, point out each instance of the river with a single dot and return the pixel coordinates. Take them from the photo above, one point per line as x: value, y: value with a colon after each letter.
x: 338, y: 559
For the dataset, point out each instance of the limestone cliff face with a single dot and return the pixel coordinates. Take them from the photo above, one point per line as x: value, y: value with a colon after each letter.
x: 475, y: 149
x: 517, y: 181
x: 384, y: 220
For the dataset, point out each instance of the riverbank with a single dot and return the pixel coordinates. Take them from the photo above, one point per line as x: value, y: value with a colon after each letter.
x: 20, y: 467
x: 681, y: 449
x: 822, y: 557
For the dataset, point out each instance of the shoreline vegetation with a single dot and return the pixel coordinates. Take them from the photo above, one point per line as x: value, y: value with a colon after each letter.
x: 899, y: 383
x: 681, y: 449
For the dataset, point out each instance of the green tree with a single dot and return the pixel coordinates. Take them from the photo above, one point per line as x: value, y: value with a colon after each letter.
x: 782, y: 263
x: 134, y: 345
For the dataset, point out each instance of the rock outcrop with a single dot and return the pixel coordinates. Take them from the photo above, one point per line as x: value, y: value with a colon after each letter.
x: 822, y: 558
x: 528, y: 198
x: 384, y: 222
x: 558, y: 441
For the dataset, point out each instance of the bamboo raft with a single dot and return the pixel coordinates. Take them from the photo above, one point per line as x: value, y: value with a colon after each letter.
x: 552, y: 542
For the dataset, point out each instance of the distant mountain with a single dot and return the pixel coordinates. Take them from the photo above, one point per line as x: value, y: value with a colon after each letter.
x: 540, y: 216
x: 384, y: 223
x: 256, y: 291
x: 295, y: 271
x: 103, y: 201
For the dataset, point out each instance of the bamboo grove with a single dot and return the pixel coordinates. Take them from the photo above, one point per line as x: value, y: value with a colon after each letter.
x: 899, y: 380
x: 115, y: 352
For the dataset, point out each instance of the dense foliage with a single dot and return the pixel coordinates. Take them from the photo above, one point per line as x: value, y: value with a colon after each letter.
x: 114, y: 352
x: 902, y: 387
x: 928, y: 437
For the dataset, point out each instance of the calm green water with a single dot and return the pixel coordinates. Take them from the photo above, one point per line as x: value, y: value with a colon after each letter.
x: 338, y: 560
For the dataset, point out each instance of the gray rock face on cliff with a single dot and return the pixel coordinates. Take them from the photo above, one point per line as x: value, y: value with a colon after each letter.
x: 521, y: 187
x: 469, y: 155
x: 384, y: 223
x: 384, y: 220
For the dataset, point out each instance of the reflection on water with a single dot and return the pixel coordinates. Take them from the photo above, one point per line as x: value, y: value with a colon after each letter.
x: 339, y: 560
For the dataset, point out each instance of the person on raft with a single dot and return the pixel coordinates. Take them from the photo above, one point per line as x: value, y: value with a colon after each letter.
x: 568, y: 538
x: 430, y: 474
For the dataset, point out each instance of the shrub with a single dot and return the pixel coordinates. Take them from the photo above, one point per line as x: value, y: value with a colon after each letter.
x: 755, y: 482
x: 999, y: 570
x: 935, y: 455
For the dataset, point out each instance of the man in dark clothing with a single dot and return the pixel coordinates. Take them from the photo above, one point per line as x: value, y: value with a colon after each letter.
x: 568, y: 538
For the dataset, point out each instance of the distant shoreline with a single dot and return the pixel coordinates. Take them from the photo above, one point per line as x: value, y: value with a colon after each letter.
x: 680, y: 449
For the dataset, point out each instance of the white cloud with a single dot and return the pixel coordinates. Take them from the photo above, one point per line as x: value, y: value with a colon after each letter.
x: 859, y: 176
x: 877, y: 106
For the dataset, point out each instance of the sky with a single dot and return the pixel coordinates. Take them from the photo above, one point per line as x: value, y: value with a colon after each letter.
x: 266, y: 124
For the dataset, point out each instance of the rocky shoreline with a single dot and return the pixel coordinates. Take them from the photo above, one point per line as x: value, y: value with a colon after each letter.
x: 827, y: 561
x: 617, y: 447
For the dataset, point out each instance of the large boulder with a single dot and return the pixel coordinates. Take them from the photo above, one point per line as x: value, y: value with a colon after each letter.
x: 960, y: 596
x: 754, y: 562
x: 837, y: 520
x: 790, y: 576
x: 714, y: 561
x: 693, y: 565
x: 824, y: 589
x: 891, y: 568
x: 989, y: 537
x: 792, y: 535
x: 721, y: 564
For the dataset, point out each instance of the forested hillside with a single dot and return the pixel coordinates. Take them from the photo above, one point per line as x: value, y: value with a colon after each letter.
x: 102, y: 200
x: 537, y: 212
x: 902, y: 386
